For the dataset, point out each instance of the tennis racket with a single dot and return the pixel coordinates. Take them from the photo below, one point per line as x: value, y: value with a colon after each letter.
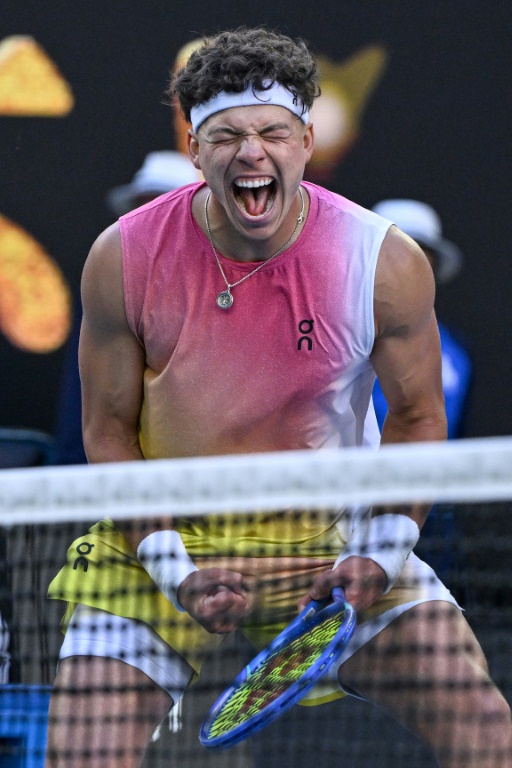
x: 282, y: 673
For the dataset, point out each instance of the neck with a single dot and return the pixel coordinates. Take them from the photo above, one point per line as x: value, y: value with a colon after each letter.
x: 232, y: 244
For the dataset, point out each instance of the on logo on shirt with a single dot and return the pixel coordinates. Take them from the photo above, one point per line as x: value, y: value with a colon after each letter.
x: 305, y: 328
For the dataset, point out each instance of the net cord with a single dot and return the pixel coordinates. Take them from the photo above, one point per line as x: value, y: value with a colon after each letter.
x: 471, y: 470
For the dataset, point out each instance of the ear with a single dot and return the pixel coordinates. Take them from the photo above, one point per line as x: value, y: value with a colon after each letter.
x: 193, y: 148
x: 309, y: 141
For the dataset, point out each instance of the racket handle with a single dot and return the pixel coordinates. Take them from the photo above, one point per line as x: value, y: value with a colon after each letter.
x: 314, y: 606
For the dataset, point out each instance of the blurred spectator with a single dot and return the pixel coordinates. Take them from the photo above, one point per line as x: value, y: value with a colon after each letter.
x: 422, y: 223
x: 160, y: 172
x: 5, y: 658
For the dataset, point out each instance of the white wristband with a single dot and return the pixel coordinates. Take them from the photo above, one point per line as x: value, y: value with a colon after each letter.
x: 165, y: 558
x: 388, y: 540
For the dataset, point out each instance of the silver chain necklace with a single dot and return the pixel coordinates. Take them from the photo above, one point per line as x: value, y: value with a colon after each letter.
x: 225, y: 298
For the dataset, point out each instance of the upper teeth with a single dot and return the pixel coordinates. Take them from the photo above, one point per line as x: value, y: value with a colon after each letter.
x: 252, y: 183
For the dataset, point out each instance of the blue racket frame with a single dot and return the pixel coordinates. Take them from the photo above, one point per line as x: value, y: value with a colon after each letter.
x: 315, y: 612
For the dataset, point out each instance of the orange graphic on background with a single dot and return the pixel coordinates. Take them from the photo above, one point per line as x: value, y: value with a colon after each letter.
x: 30, y: 83
x: 35, y: 303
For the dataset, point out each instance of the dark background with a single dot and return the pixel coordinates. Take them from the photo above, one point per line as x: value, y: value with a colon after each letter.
x: 437, y: 129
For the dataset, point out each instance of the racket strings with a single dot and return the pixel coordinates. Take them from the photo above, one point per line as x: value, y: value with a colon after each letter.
x: 280, y: 670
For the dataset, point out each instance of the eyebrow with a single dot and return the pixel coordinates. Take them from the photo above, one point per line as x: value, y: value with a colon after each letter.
x: 239, y: 132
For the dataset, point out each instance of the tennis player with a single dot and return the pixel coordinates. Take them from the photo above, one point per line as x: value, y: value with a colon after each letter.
x: 250, y: 312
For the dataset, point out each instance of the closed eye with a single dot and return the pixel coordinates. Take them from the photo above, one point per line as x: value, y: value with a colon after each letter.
x: 225, y: 135
x: 222, y: 138
x: 276, y: 132
x: 275, y: 136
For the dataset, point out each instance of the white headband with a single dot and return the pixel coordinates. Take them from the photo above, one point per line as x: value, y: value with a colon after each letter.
x: 276, y: 95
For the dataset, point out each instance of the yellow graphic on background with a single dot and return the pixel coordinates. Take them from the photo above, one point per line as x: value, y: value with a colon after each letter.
x: 181, y: 127
x: 35, y: 303
x: 338, y: 113
x: 30, y: 83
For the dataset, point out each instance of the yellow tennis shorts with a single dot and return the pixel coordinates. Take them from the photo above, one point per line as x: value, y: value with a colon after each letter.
x: 102, y: 571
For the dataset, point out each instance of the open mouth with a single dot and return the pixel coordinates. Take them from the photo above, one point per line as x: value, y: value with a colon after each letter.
x: 255, y: 197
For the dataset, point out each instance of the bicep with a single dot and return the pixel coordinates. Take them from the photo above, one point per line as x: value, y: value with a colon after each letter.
x: 408, y: 367
x: 111, y: 359
x: 406, y: 354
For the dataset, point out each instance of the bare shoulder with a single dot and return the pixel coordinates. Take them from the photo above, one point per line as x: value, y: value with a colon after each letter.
x: 105, y: 253
x: 404, y: 284
x: 102, y: 278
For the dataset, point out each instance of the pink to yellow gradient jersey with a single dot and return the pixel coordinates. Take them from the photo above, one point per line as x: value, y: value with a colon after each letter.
x: 287, y: 366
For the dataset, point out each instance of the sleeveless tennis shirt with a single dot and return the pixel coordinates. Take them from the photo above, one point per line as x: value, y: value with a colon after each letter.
x: 286, y: 367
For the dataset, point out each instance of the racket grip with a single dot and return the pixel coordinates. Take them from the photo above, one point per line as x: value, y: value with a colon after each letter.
x: 337, y: 594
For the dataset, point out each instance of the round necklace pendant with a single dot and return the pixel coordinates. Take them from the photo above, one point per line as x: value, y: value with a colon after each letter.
x: 224, y: 299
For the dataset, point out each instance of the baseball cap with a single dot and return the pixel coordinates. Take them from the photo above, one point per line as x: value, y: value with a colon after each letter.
x: 161, y: 172
x: 421, y: 222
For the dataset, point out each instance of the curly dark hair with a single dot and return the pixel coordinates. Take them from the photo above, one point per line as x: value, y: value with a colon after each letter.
x: 232, y: 60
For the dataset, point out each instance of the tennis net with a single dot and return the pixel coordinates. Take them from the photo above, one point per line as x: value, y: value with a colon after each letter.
x: 467, y: 540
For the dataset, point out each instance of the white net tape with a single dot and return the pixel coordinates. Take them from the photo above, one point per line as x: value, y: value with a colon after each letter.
x: 466, y: 470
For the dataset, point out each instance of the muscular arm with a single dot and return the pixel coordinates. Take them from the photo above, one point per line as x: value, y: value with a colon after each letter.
x: 407, y: 359
x: 111, y: 360
x: 406, y: 354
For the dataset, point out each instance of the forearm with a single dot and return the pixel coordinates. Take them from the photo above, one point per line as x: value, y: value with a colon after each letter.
x: 101, y: 449
x: 407, y: 428
x: 107, y: 448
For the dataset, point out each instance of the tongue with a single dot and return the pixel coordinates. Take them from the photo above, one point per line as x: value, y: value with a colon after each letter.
x: 255, y: 200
